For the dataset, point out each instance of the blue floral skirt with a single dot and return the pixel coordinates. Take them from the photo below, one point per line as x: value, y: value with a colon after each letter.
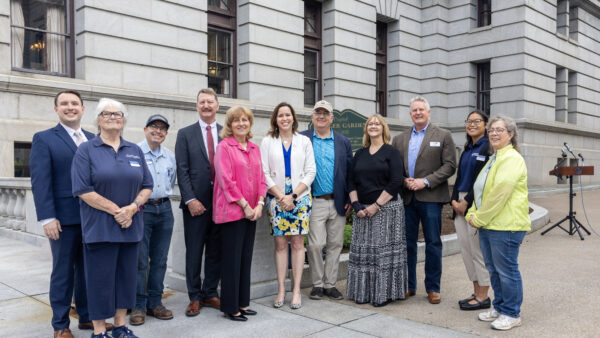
x: 294, y: 222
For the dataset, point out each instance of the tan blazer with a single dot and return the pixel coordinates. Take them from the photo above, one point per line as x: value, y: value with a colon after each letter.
x: 436, y: 162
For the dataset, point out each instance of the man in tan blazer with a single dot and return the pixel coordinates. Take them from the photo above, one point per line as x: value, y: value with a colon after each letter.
x: 429, y: 160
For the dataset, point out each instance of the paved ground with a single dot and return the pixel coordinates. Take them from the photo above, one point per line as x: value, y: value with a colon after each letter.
x: 561, y: 282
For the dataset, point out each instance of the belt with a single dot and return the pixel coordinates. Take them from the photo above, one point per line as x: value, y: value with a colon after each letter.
x: 157, y: 201
x: 325, y: 197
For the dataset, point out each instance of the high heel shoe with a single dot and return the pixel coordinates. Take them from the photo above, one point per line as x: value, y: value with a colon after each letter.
x: 296, y: 306
x: 277, y: 304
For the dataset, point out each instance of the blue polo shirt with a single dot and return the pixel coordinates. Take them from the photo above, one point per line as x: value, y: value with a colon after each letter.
x: 117, y: 176
x: 324, y: 150
x: 467, y: 164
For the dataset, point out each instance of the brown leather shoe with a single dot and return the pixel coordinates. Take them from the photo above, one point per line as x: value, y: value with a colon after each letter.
x: 63, y: 333
x: 160, y: 312
x: 409, y: 293
x: 90, y: 326
x: 137, y: 317
x: 212, y: 302
x: 434, y: 297
x: 193, y: 309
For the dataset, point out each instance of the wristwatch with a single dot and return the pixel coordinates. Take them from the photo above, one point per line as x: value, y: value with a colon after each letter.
x: 294, y: 196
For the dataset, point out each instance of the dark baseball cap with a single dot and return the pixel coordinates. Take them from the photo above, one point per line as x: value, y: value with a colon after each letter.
x: 157, y: 117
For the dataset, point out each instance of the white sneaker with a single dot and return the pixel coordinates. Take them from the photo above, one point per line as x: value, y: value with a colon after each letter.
x: 505, y: 323
x: 489, y: 316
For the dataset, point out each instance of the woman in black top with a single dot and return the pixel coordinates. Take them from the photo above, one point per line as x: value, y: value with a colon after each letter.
x: 472, y: 160
x: 377, y: 270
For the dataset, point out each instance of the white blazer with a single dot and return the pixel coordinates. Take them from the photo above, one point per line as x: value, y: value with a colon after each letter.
x: 302, y: 162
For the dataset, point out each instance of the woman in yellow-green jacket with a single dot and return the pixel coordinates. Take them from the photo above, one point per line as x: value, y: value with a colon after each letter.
x: 500, y: 211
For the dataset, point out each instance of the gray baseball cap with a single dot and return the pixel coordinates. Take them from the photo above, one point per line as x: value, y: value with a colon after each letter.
x: 157, y: 117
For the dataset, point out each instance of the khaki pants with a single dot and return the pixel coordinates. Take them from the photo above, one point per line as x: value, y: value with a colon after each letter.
x: 326, y: 227
x: 470, y: 250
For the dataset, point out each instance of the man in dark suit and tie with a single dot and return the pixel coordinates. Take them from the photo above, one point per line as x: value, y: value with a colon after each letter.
x: 57, y: 210
x: 194, y: 152
x: 429, y: 160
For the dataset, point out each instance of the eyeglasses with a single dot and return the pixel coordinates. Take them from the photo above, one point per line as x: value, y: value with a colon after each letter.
x: 496, y: 130
x: 115, y: 114
x: 475, y: 122
x: 157, y: 127
x: 374, y: 124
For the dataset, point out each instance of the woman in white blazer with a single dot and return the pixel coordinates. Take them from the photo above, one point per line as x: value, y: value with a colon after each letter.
x: 289, y: 166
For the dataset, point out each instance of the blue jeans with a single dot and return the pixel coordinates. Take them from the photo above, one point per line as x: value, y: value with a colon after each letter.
x: 158, y: 228
x: 430, y: 215
x: 500, y: 252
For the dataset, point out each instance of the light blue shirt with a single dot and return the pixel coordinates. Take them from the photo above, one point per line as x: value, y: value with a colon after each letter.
x: 324, y: 150
x: 161, y: 164
x: 414, y: 145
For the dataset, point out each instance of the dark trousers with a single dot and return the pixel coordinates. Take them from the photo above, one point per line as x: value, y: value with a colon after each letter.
x: 110, y: 275
x: 237, y: 239
x: 200, y: 232
x: 68, y: 276
x: 154, y: 247
x: 430, y: 216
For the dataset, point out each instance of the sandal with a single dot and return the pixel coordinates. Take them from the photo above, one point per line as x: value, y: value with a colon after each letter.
x: 484, y: 304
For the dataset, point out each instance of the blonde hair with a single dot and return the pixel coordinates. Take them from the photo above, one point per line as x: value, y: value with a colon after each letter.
x: 233, y: 113
x: 366, y: 142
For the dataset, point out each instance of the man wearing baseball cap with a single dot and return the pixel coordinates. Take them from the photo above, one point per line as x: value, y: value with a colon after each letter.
x: 333, y: 157
x: 158, y: 224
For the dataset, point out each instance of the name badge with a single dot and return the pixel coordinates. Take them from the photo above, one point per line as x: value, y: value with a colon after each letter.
x: 134, y: 163
x: 434, y: 144
x: 480, y: 158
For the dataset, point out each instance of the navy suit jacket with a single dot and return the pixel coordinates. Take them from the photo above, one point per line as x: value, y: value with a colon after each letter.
x: 342, y: 166
x: 193, y: 167
x: 52, y: 152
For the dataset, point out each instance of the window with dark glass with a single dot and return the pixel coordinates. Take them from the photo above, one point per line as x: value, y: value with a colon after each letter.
x: 221, y: 46
x: 21, y: 159
x: 41, y: 34
x: 484, y: 13
x: 381, y: 69
x: 483, y: 87
x: 312, y: 52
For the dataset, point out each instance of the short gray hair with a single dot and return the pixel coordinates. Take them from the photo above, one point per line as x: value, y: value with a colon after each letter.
x: 511, y: 127
x: 421, y: 99
x: 105, y: 102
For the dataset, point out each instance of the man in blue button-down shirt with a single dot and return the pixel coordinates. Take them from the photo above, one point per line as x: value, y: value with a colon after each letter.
x: 429, y: 160
x: 158, y: 224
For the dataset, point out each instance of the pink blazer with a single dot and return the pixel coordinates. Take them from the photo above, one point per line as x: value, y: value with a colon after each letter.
x: 238, y: 173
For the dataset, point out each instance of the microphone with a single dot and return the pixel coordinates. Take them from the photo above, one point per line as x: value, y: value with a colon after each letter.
x: 581, y: 157
x: 564, y: 155
x: 569, y: 149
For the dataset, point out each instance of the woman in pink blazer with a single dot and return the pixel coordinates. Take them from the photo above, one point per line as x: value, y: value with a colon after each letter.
x: 238, y: 200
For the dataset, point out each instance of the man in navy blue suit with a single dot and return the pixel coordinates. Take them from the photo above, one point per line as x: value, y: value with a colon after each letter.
x: 333, y: 157
x: 57, y: 210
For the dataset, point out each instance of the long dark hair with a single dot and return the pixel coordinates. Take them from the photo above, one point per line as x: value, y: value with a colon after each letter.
x: 485, y: 119
x: 274, y: 131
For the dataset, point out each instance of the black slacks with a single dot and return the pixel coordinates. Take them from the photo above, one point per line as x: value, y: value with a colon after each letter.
x: 237, y: 240
x: 200, y: 232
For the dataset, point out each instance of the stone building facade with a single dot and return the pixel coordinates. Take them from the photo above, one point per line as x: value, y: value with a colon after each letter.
x: 535, y: 60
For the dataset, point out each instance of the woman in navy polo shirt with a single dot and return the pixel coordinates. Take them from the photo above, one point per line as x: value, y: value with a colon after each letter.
x: 112, y: 180
x: 472, y: 160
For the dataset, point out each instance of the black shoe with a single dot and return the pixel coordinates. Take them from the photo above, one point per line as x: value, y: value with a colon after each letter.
x: 485, y: 304
x: 316, y: 293
x: 238, y: 318
x: 333, y: 293
x: 466, y: 300
x: 382, y: 304
x: 248, y: 312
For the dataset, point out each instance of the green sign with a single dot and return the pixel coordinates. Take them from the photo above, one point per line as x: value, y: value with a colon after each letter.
x: 350, y: 124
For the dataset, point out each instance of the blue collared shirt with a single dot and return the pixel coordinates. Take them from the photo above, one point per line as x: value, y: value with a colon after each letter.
x: 414, y: 145
x: 467, y: 164
x: 324, y: 150
x: 161, y: 163
x: 118, y: 176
